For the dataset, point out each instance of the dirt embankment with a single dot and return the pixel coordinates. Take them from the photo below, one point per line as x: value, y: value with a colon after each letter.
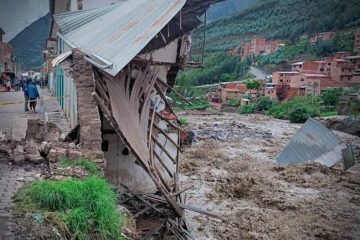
x: 237, y: 178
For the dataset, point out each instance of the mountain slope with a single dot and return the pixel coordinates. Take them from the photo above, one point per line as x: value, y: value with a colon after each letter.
x: 227, y: 8
x: 280, y: 19
x: 29, y: 43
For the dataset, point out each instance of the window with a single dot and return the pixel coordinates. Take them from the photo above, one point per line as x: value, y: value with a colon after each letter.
x: 300, y: 66
x: 329, y: 64
x: 269, y: 92
x: 281, y: 80
x: 328, y: 69
x: 321, y: 69
x: 302, y: 79
x: 343, y: 70
x: 281, y: 74
x: 349, y: 78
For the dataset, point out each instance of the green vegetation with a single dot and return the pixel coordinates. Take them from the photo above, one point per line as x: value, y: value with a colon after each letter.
x: 265, y: 104
x: 332, y: 97
x: 283, y: 110
x: 183, y: 122
x: 86, y: 164
x: 234, y: 102
x: 252, y: 84
x: 248, y: 109
x: 85, y: 208
x: 216, y: 68
x: 328, y: 114
x: 304, y: 50
x: 300, y: 114
x: 280, y: 19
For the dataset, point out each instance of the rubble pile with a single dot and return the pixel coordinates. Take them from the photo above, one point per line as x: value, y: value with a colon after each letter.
x: 228, y: 130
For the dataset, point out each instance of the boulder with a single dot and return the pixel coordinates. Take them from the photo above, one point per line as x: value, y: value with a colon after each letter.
x: 34, y: 158
x: 74, y: 154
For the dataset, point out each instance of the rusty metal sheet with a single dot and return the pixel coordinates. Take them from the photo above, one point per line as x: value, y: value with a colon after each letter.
x: 117, y: 33
x: 313, y: 143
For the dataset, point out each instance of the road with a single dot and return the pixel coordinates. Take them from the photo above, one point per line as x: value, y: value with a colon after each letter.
x: 9, y: 112
x: 259, y: 74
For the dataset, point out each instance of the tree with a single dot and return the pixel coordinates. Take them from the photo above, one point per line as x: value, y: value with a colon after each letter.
x: 253, y: 84
x: 331, y: 97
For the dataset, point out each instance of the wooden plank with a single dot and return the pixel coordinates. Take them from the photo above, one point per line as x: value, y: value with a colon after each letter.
x: 164, y: 119
x: 174, y: 91
x: 185, y: 206
x: 166, y: 135
x: 163, y: 148
x: 167, y: 104
x: 163, y: 164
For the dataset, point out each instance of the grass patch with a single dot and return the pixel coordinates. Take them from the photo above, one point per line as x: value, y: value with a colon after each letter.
x: 89, y: 166
x: 183, y: 122
x: 329, y: 114
x: 87, y: 207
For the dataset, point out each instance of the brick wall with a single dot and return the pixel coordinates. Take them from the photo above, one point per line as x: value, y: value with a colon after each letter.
x: 88, y: 113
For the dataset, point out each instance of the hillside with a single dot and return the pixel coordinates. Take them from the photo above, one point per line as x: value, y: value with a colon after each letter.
x: 227, y: 8
x: 279, y: 19
x: 29, y: 43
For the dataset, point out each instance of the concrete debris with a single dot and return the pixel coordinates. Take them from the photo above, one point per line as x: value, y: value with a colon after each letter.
x: 31, y: 147
x: 74, y: 154
x: 61, y: 153
x: 72, y: 145
x: 45, y: 148
x: 76, y: 172
x: 34, y: 158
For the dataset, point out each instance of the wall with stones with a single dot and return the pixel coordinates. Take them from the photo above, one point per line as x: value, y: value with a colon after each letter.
x: 88, y: 113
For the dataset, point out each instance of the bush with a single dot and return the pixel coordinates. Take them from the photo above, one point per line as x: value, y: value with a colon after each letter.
x: 87, y: 207
x: 183, y: 122
x: 299, y: 115
x: 234, y: 102
x: 282, y: 110
x: 247, y: 109
x: 264, y: 104
x: 331, y: 97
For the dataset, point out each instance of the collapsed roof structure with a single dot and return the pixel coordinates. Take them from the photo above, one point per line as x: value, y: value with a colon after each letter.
x: 136, y: 48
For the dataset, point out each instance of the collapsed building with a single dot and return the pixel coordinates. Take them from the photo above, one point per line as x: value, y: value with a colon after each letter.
x: 114, y: 67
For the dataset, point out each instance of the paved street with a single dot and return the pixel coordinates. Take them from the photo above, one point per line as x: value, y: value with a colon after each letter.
x: 13, y: 177
x: 8, y: 112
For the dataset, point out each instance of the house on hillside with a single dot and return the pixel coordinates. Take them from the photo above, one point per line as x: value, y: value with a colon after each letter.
x: 324, y: 36
x: 113, y: 77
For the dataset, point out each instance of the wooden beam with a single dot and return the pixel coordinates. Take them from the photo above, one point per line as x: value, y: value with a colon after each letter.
x: 163, y: 164
x: 164, y: 119
x: 174, y: 91
x: 167, y: 104
x: 166, y: 135
x: 163, y: 148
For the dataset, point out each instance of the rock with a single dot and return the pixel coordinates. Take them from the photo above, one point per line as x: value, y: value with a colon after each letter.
x: 61, y: 153
x: 34, y: 158
x: 45, y: 148
x: 19, y: 149
x: 31, y: 147
x: 72, y: 145
x: 62, y: 137
x: 18, y: 158
x: 74, y: 154
x: 89, y: 154
x: 52, y: 155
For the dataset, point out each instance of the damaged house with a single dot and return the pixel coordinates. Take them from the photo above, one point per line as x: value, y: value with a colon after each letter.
x: 114, y: 66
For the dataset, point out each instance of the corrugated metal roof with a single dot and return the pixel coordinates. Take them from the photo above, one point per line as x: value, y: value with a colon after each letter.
x: 117, y: 33
x: 313, y: 143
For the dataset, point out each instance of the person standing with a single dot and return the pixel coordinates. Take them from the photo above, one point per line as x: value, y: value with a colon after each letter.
x: 33, y: 95
x: 26, y: 94
x: 8, y: 85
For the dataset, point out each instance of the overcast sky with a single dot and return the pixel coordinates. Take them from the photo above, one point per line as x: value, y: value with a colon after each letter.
x: 15, y: 15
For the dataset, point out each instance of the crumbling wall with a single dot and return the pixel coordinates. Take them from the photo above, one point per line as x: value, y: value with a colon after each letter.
x: 88, y: 113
